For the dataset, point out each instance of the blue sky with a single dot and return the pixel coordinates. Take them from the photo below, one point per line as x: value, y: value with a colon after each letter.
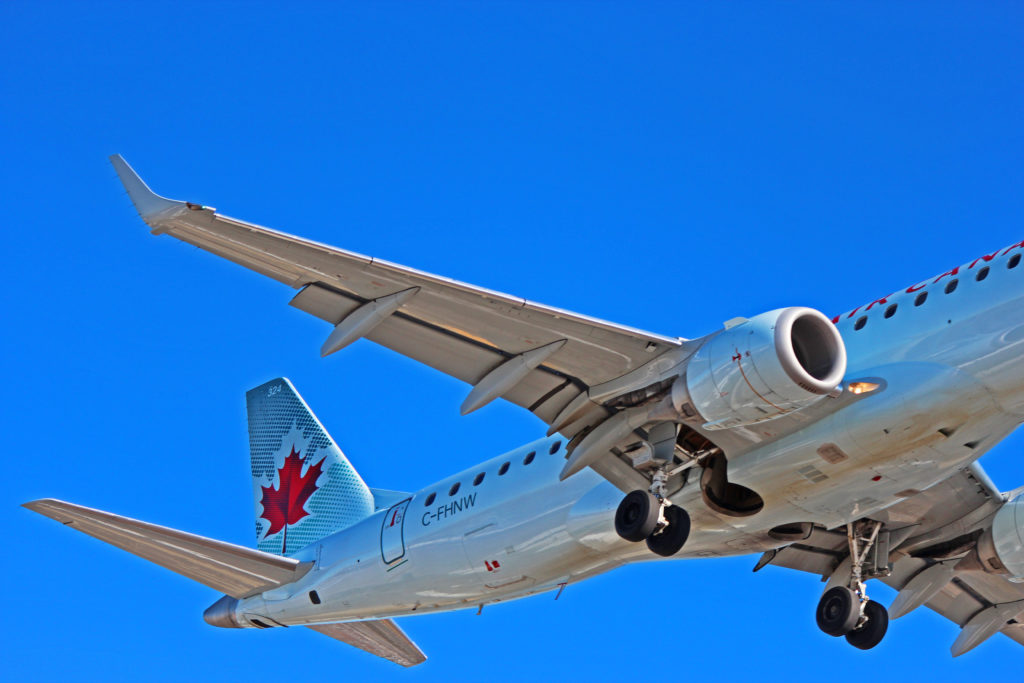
x: 668, y: 166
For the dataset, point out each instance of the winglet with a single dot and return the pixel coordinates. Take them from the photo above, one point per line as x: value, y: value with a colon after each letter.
x: 148, y: 203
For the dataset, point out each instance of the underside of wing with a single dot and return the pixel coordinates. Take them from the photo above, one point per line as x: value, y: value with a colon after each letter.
x: 231, y: 569
x: 477, y: 335
x: 933, y: 543
x: 381, y: 637
x: 625, y: 400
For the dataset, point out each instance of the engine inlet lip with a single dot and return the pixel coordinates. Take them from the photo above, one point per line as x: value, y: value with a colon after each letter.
x: 787, y: 354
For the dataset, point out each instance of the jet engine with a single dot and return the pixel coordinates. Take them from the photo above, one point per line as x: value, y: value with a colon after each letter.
x: 755, y: 370
x: 764, y: 367
x: 1000, y: 548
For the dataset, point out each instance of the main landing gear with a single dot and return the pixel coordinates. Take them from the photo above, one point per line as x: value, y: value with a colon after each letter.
x: 846, y: 610
x: 649, y: 516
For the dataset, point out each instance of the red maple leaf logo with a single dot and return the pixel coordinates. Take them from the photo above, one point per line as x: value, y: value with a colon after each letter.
x: 284, y: 505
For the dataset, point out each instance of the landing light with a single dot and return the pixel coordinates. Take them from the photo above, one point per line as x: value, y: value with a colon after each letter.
x: 862, y: 387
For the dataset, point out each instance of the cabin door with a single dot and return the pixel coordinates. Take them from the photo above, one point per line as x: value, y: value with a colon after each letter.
x: 392, y: 534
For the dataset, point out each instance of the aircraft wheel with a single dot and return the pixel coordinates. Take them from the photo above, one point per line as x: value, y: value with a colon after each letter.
x: 671, y: 539
x: 838, y: 611
x: 873, y: 630
x: 637, y: 516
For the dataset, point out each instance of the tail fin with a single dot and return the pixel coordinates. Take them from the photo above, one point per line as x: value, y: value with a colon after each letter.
x: 304, y: 487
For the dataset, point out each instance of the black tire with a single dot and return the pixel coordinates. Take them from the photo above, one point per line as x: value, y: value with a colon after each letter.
x: 838, y: 611
x: 672, y: 538
x: 637, y: 516
x: 873, y: 630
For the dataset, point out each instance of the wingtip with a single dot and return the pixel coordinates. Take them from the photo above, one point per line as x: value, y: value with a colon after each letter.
x: 147, y: 202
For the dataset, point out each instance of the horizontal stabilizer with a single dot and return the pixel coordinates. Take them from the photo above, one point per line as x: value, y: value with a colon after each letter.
x: 237, y: 571
x: 381, y: 637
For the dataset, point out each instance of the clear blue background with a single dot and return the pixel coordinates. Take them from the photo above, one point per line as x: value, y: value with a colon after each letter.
x: 667, y: 166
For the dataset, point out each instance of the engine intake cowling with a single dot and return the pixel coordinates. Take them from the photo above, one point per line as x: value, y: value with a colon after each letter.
x: 1001, y: 548
x: 770, y: 365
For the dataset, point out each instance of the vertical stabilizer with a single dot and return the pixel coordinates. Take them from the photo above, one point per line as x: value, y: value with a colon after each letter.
x: 303, y: 486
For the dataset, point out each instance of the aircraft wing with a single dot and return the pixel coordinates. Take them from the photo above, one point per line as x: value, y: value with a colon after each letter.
x: 935, y: 527
x: 538, y: 357
x: 231, y: 569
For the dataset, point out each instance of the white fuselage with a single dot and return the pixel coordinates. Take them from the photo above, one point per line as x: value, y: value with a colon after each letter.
x: 951, y: 386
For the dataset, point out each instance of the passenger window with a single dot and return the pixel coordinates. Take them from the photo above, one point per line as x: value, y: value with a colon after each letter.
x: 1014, y: 260
x: 529, y: 457
x: 921, y: 298
x: 503, y: 469
x: 454, y: 489
x: 861, y: 322
x: 554, y: 447
x: 430, y: 499
x: 479, y: 478
x: 891, y: 311
x: 951, y: 286
x: 982, y: 274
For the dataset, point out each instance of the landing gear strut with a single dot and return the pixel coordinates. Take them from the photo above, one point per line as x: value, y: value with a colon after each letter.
x: 648, y: 515
x: 846, y: 610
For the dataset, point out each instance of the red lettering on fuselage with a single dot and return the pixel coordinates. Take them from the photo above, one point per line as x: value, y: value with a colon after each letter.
x: 948, y: 272
x: 1010, y: 248
x: 883, y: 300
x: 986, y: 258
x: 921, y: 285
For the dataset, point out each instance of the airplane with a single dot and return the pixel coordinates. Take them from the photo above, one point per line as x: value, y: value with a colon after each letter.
x: 841, y: 446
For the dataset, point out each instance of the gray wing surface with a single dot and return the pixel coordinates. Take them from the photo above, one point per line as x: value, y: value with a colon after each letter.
x: 381, y: 637
x: 474, y: 334
x: 936, y: 526
x: 231, y: 569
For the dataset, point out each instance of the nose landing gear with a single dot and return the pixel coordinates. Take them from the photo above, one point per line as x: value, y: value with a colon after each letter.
x: 846, y: 610
x: 649, y: 516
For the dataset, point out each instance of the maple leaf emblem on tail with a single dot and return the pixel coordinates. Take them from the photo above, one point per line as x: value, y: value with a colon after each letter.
x: 285, y: 505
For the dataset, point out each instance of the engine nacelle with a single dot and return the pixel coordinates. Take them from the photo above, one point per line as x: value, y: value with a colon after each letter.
x: 1001, y: 548
x: 770, y: 365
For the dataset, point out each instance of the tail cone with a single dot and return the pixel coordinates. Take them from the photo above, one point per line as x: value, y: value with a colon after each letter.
x: 222, y: 613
